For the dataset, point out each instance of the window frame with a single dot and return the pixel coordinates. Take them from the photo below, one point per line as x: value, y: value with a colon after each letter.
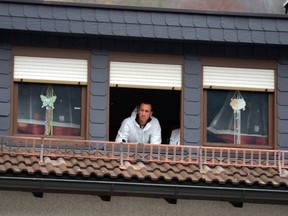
x: 52, y: 53
x: 242, y: 63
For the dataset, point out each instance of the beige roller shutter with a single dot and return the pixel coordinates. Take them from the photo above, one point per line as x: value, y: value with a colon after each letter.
x: 238, y: 78
x: 50, y: 70
x: 145, y: 75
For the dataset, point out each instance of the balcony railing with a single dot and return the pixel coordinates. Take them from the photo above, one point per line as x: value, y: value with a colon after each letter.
x: 199, y: 155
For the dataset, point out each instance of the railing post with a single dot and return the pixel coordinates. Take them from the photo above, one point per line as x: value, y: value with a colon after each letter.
x: 200, y: 154
x: 41, y: 151
x: 279, y: 163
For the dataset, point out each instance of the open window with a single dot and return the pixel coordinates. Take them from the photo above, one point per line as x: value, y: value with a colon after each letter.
x: 155, y: 78
x: 239, y: 103
x: 49, y: 92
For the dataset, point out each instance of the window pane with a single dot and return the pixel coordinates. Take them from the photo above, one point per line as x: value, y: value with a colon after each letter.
x: 237, y: 117
x: 36, y: 115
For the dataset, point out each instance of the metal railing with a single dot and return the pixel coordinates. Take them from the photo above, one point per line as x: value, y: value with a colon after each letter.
x: 200, y: 155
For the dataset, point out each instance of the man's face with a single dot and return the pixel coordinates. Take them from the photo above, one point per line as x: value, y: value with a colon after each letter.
x: 144, y: 113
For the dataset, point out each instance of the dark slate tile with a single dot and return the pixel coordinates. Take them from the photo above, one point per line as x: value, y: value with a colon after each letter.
x: 228, y: 22
x: 144, y: 17
x: 202, y: 34
x: 5, y: 83
x: 45, y: 12
x: 200, y: 21
x: 91, y: 27
x: 99, y: 75
x: 4, y: 9
x: 74, y: 13
x: 4, y: 92
x: 98, y: 117
x: 62, y: 26
x: 192, y: 94
x: 161, y: 31
x: 175, y: 32
x: 172, y: 19
x: 102, y: 15
x: 147, y: 30
x: 282, y: 84
x: 4, y: 111
x: 282, y: 70
x: 186, y: 20
x: 97, y: 131
x: 281, y: 25
x: 59, y: 13
x: 272, y: 37
x: 131, y: 17
x: 282, y: 98
x: 19, y: 23
x: 214, y: 21
x: 6, y: 23
x: 282, y: 126
x: 283, y: 38
x: 189, y: 33
x: 192, y: 66
x: 258, y: 36
x: 47, y: 25
x: 195, y: 108
x: 31, y: 11
x: 269, y: 24
x: 98, y: 102
x: 282, y: 140
x: 192, y: 121
x: 283, y: 112
x: 255, y: 24
x: 88, y: 14
x: 230, y: 35
x: 191, y: 137
x: 119, y: 29
x: 216, y: 34
x: 242, y: 23
x: 158, y: 18
x: 33, y: 24
x: 133, y: 30
x: 99, y: 61
x: 16, y: 10
x: 4, y: 123
x: 5, y: 66
x: 5, y: 55
x: 244, y: 36
x: 76, y: 27
x: 105, y: 28
x: 192, y: 81
x: 117, y: 16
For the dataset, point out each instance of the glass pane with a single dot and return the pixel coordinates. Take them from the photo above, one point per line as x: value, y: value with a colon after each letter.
x: 237, y: 117
x: 49, y: 109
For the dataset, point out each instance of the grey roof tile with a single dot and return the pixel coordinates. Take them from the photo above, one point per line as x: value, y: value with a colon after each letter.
x: 283, y: 37
x: 19, y: 23
x: 230, y: 35
x: 272, y: 37
x: 172, y: 19
x: 161, y: 31
x: 45, y: 12
x: 90, y: 27
x: 47, y: 25
x: 6, y: 23
x: 269, y: 24
x: 147, y: 30
x: 76, y: 27
x: 282, y: 84
x: 242, y: 23
x: 102, y: 15
x: 244, y: 36
x: 214, y: 21
x: 281, y: 25
x: 189, y: 33
x: 158, y: 19
x: 202, y: 34
x: 175, y: 32
x: 216, y: 34
x: 227, y: 22
x: 144, y: 17
x: 282, y: 98
x: 99, y: 61
x: 4, y: 92
x: 62, y: 26
x: 105, y: 28
x: 117, y: 16
x: 282, y: 126
x: 200, y: 21
x: 258, y: 37
x: 4, y: 111
x: 16, y: 10
x: 283, y: 70
x: 133, y: 30
x: 59, y: 13
x: 33, y: 24
x: 255, y: 24
x: 74, y: 13
x: 283, y: 112
x: 196, y: 108
x: 99, y: 75
x: 88, y: 14
x: 4, y: 9
x: 130, y: 17
x: 186, y: 20
x: 31, y: 11
x: 119, y: 29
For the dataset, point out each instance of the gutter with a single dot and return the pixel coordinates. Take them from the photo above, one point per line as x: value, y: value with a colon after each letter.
x: 166, y: 191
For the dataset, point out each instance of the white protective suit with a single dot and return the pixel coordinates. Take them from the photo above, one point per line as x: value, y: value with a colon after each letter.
x: 175, y: 137
x: 130, y: 131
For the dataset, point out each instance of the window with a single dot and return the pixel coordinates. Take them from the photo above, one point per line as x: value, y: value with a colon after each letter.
x: 49, y: 92
x: 238, y: 103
